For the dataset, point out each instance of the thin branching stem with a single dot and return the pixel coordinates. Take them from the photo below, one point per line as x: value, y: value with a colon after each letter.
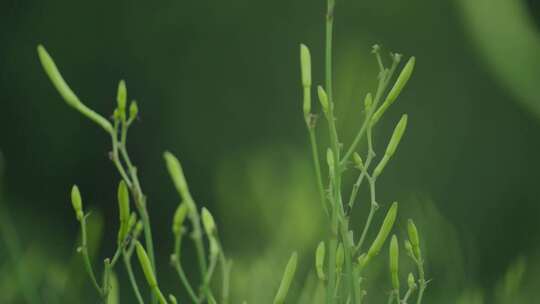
x: 129, y: 269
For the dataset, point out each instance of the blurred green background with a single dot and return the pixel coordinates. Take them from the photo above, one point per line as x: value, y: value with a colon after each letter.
x: 218, y: 84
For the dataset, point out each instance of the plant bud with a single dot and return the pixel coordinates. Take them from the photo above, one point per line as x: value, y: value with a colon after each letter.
x: 323, y: 99
x: 286, y: 281
x: 408, y: 248
x: 396, y: 89
x: 123, y: 207
x: 340, y: 258
x: 358, y: 161
x: 214, y: 246
x: 394, y: 262
x: 208, y: 222
x: 138, y: 229
x: 179, y: 217
x: 397, y: 135
x: 121, y: 98
x: 413, y: 237
x: 319, y: 260
x: 146, y: 265
x: 177, y: 174
x: 368, y: 101
x: 305, y: 65
x: 76, y: 201
x: 172, y: 299
x: 411, y: 282
x: 133, y: 110
x: 386, y: 227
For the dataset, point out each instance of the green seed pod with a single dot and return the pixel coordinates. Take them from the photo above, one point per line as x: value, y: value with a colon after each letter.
x: 319, y: 260
x: 408, y: 248
x: 172, y: 299
x: 208, y: 222
x: 214, y: 246
x: 76, y: 201
x: 286, y: 281
x: 177, y: 174
x: 397, y: 135
x: 133, y: 110
x: 179, y: 217
x: 146, y: 265
x: 358, y: 161
x: 392, y: 145
x: 394, y: 262
x: 137, y: 230
x: 413, y: 237
x: 386, y: 227
x: 65, y: 91
x: 368, y: 101
x: 340, y: 258
x: 323, y: 99
x: 121, y: 98
x: 411, y: 282
x: 396, y: 90
x: 132, y: 221
x: 305, y: 65
x: 124, y: 212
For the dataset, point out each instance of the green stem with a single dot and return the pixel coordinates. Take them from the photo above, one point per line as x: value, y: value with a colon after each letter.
x: 315, y: 154
x: 86, y: 257
x: 373, y: 208
x: 421, y: 280
x: 178, y: 267
x: 132, y: 280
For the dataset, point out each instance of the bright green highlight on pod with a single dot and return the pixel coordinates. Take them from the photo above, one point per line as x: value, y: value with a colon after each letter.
x: 399, y: 130
x: 76, y: 202
x: 386, y: 227
x: 124, y: 211
x: 286, y: 281
x: 121, y: 99
x: 323, y: 99
x: 305, y: 65
x: 394, y: 262
x: 179, y: 218
x: 319, y: 260
x: 414, y: 238
x: 208, y: 221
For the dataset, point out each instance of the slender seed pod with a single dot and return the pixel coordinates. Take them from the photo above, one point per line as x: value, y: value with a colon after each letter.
x: 319, y: 260
x: 323, y: 99
x: 121, y: 99
x: 137, y: 230
x: 358, y: 161
x: 132, y: 221
x: 286, y: 281
x: 392, y: 145
x: 340, y: 258
x: 177, y: 175
x: 65, y: 91
x: 76, y: 202
x: 172, y: 299
x: 123, y: 207
x: 408, y: 248
x: 179, y: 218
x: 400, y: 83
x: 305, y: 67
x: 208, y: 222
x: 146, y: 265
x: 413, y: 237
x: 394, y: 262
x: 411, y: 282
x: 386, y: 227
x: 133, y: 110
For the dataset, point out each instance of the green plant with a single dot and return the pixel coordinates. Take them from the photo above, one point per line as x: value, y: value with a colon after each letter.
x: 339, y: 160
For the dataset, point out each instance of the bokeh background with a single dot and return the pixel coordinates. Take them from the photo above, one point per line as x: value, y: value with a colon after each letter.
x: 218, y: 84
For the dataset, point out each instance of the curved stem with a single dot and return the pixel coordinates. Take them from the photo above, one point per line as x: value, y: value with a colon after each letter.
x: 132, y: 280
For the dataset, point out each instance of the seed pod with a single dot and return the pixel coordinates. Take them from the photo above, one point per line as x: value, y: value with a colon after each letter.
x: 394, y: 262
x: 413, y: 237
x: 411, y: 282
x: 123, y: 207
x: 121, y: 98
x: 76, y: 202
x: 368, y: 101
x: 146, y: 265
x: 179, y: 217
x: 392, y: 145
x: 286, y: 281
x: 323, y: 99
x: 305, y: 65
x: 133, y: 110
x: 408, y: 248
x: 396, y: 90
x: 138, y: 229
x: 172, y: 299
x: 65, y: 91
x: 177, y: 174
x: 208, y: 222
x: 319, y: 260
x: 358, y: 161
x: 386, y: 227
x: 340, y: 258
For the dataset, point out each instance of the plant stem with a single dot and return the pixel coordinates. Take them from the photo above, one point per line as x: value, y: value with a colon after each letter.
x: 132, y: 280
x: 421, y: 280
x: 316, y: 162
x: 178, y: 267
x: 372, y: 209
x: 86, y: 257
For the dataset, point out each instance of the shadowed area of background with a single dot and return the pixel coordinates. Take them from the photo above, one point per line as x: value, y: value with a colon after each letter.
x: 218, y: 84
